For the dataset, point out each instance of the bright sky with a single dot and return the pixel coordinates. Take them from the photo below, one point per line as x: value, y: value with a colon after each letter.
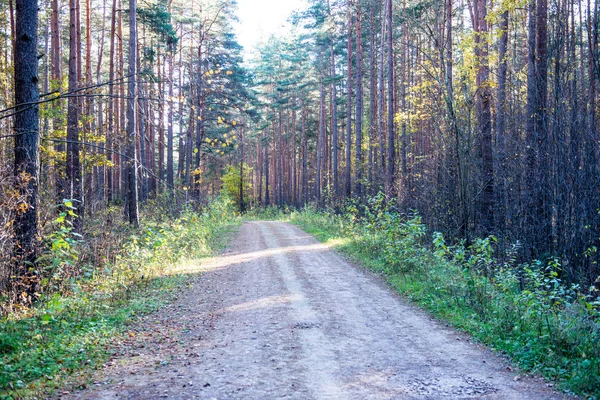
x: 261, y: 18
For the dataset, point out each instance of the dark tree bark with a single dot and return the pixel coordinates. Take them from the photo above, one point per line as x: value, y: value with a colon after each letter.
x: 403, y: 85
x: 112, y: 118
x: 501, y: 135
x: 170, y: 133
x: 320, y: 145
x: 170, y: 120
x: 304, y: 156
x: 381, y: 91
x: 266, y: 144
x: 334, y: 114
x: 241, y: 188
x: 530, y: 127
x: 181, y: 144
x: 100, y: 181
x: 359, y: 102
x: 73, y: 157
x: 391, y: 149
x: 348, y: 176
x: 485, y: 120
x: 372, y: 94
x: 294, y: 159
x: 161, y: 123
x: 132, y: 187
x: 26, y: 130
x: 57, y: 123
x: 280, y: 160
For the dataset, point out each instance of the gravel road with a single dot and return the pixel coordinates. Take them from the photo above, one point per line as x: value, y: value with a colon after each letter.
x: 280, y: 315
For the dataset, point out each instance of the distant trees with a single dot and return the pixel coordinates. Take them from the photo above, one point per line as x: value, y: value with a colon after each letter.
x: 485, y: 117
x: 141, y: 79
x: 480, y: 115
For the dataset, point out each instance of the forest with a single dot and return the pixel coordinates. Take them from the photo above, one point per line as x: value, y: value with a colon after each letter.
x: 118, y: 117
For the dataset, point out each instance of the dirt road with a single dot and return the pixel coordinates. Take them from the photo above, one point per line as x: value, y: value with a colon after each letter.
x: 281, y: 316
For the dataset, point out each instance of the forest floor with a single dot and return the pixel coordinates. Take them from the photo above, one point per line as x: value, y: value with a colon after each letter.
x: 279, y: 315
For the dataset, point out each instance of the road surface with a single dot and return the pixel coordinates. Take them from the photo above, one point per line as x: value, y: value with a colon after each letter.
x: 281, y: 316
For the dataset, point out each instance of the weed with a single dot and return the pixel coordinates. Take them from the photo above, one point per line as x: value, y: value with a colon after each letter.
x: 73, y: 330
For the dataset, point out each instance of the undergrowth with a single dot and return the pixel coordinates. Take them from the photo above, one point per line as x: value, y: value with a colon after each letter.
x: 70, y: 331
x: 523, y: 310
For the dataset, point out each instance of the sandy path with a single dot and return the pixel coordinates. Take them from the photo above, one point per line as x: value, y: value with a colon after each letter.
x: 281, y: 316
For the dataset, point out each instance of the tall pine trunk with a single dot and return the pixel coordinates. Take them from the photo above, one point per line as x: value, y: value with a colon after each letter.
x: 26, y: 130
x: 348, y: 176
x: 485, y: 119
x: 359, y: 102
x: 132, y: 189
x: 73, y: 161
x: 391, y: 149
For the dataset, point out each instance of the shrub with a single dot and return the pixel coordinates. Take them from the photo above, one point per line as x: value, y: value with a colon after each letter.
x: 83, y: 307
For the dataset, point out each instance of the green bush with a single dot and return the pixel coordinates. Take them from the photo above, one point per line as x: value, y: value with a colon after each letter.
x: 72, y: 329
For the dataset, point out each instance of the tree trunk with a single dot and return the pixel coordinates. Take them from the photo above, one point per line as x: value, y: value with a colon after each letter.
x: 294, y: 161
x: 266, y: 144
x: 279, y: 160
x: 349, y: 107
x: 359, y: 102
x: 320, y: 141
x: 170, y: 133
x: 161, y: 122
x: 372, y: 95
x: 531, y: 136
x: 26, y: 130
x: 485, y: 121
x: 501, y: 136
x: 390, y: 145
x: 542, y: 181
x: 304, y: 155
x: 132, y: 189
x: 334, y: 115
x: 58, y: 121
x: 73, y: 160
x: 381, y: 99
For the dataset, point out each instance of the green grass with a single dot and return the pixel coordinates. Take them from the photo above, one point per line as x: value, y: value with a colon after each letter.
x: 545, y: 326
x: 65, y: 337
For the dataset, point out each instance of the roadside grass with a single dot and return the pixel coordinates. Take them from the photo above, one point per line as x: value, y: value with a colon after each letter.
x: 69, y: 334
x: 522, y: 310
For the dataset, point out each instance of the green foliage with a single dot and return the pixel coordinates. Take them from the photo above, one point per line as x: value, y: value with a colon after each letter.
x: 62, y: 253
x: 524, y: 310
x: 158, y: 19
x: 231, y: 182
x: 69, y: 334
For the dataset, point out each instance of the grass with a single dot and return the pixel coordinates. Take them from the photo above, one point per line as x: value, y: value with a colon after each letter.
x: 522, y: 310
x: 65, y: 337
